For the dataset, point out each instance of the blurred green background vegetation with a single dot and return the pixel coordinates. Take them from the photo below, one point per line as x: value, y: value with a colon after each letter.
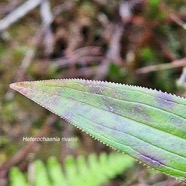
x: 140, y: 42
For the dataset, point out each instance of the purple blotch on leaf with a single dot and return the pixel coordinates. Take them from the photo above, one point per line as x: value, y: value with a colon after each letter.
x: 165, y: 100
x: 151, y: 160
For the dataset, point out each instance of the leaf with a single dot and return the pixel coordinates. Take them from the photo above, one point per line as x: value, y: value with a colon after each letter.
x: 93, y: 171
x: 17, y: 178
x: 96, y: 170
x: 41, y: 177
x: 55, y: 172
x: 147, y: 124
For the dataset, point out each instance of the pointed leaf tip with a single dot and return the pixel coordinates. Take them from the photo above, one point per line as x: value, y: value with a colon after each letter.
x: 20, y: 87
x: 13, y: 86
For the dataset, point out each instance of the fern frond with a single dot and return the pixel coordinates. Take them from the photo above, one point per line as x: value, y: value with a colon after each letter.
x: 17, y: 178
x: 93, y: 171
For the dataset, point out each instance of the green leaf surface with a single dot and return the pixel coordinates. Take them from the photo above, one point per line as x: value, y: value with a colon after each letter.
x: 55, y: 172
x: 41, y: 176
x: 17, y: 178
x: 91, y: 171
x: 147, y: 124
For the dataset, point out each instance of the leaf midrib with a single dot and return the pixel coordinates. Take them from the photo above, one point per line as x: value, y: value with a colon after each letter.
x: 163, y: 110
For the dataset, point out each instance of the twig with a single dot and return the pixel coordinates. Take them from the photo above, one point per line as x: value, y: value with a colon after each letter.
x: 125, y: 11
x: 46, y: 13
x: 84, y: 60
x: 175, y: 64
x: 182, y: 79
x: 6, y: 8
x: 18, y: 13
x: 114, y: 49
x: 47, y: 18
x: 80, y: 56
x: 178, y: 21
x: 113, y: 53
